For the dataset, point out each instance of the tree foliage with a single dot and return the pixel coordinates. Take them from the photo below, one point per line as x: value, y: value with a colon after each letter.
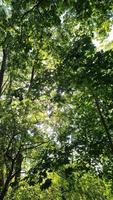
x: 56, y: 105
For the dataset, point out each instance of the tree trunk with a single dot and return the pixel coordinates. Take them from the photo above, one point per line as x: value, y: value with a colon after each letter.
x: 7, y: 182
x: 2, y: 70
x: 103, y: 122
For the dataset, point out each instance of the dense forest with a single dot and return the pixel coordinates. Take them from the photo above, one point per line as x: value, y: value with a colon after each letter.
x: 56, y: 100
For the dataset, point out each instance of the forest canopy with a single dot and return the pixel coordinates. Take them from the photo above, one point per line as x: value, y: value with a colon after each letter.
x: 56, y: 100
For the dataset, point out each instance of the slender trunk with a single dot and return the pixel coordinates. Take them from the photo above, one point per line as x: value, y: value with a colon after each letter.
x: 31, y: 79
x: 7, y: 182
x: 1, y: 175
x: 103, y: 122
x: 18, y: 166
x: 2, y: 70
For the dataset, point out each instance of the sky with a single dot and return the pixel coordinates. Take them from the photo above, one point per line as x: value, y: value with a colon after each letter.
x: 0, y: 2
x: 100, y: 44
x: 110, y: 37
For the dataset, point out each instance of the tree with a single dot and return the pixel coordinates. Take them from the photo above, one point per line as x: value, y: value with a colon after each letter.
x: 56, y: 94
x: 22, y: 45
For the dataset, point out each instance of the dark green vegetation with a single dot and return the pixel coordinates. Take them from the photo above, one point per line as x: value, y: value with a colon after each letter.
x: 56, y: 100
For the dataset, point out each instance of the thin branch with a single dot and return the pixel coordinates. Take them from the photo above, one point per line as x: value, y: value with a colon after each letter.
x: 4, y: 86
x: 33, y: 146
x: 30, y: 10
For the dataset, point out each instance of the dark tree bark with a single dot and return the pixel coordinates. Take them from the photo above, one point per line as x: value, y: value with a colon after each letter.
x: 18, y: 166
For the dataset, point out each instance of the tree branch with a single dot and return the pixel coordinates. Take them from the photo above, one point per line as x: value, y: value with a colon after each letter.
x: 30, y: 10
